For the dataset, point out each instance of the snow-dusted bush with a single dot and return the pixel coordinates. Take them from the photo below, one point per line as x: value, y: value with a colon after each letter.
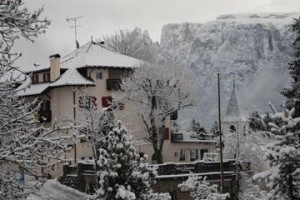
x: 200, y: 189
x: 252, y: 192
x: 158, y: 196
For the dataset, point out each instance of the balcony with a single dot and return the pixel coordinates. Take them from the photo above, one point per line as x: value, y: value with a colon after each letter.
x: 113, y: 84
x: 179, y: 137
x: 175, y: 137
x: 195, y: 167
x: 45, y: 116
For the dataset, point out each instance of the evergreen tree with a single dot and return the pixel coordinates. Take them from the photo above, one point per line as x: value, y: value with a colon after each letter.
x: 293, y: 94
x: 196, y: 127
x: 283, y: 156
x: 256, y: 122
x: 122, y: 172
x: 259, y: 122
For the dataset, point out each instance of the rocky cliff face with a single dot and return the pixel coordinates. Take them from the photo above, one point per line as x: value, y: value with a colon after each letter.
x: 252, y: 49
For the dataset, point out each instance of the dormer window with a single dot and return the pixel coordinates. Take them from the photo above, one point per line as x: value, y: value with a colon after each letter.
x: 232, y: 129
x: 46, y: 77
x: 35, y: 78
x: 98, y: 75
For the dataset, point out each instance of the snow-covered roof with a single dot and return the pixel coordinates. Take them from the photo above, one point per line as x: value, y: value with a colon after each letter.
x: 38, y: 68
x: 91, y: 54
x: 53, y: 189
x: 94, y: 54
x: 31, y: 90
x: 188, y: 137
x: 71, y: 77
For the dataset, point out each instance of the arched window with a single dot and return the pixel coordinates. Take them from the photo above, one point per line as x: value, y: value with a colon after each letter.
x: 232, y: 128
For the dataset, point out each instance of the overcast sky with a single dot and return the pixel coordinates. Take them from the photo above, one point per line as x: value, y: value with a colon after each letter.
x: 104, y: 17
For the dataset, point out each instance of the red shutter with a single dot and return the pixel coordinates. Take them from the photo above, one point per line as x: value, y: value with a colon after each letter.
x: 106, y: 101
x: 166, y: 134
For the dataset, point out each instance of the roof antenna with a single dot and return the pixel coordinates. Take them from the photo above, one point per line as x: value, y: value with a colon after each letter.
x: 74, y: 19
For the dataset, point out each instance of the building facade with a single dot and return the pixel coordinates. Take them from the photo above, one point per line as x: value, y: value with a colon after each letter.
x: 87, y: 79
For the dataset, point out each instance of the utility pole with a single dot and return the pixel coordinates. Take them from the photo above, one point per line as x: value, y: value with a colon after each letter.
x: 220, y: 134
x: 74, y: 19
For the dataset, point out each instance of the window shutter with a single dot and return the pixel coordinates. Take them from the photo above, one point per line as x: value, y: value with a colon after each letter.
x: 166, y: 134
x: 106, y: 101
x: 87, y: 102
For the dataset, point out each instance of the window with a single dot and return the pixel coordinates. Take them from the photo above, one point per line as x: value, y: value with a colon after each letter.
x: 35, y: 78
x: 45, y: 106
x: 194, y: 154
x: 121, y: 106
x: 87, y: 102
x: 113, y: 84
x: 98, y: 75
x: 44, y: 114
x: 232, y: 129
x: 202, y: 151
x: 46, y: 77
x: 182, y: 155
x: 174, y: 115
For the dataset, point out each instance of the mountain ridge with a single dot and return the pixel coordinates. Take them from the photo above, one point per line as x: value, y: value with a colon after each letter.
x: 254, y: 49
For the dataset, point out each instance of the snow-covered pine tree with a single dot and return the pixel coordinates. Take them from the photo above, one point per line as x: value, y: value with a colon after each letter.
x: 200, y: 189
x: 123, y: 173
x: 283, y: 156
x: 196, y: 127
x: 292, y: 94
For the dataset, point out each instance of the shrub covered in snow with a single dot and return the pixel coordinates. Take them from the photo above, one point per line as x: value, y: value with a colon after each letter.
x: 201, y: 189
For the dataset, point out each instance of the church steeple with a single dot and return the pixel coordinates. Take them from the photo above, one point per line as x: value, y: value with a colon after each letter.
x: 232, y: 112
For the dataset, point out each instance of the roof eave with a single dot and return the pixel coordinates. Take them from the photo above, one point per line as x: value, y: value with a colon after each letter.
x: 72, y: 85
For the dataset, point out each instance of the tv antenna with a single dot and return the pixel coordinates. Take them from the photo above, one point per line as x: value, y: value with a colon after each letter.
x: 74, y: 19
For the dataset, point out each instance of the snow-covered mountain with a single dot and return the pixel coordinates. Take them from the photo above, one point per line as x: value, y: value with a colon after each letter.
x: 252, y: 49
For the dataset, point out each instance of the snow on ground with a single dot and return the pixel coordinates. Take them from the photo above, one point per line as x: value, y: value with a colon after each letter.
x: 53, y: 190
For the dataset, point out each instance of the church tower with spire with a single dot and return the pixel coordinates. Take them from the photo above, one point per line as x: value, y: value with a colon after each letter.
x: 233, y: 121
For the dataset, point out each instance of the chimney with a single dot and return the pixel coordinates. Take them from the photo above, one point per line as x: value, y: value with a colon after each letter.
x: 54, y: 67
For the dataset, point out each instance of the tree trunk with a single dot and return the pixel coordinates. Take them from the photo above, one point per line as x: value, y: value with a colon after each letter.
x: 157, y: 143
x: 157, y: 155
